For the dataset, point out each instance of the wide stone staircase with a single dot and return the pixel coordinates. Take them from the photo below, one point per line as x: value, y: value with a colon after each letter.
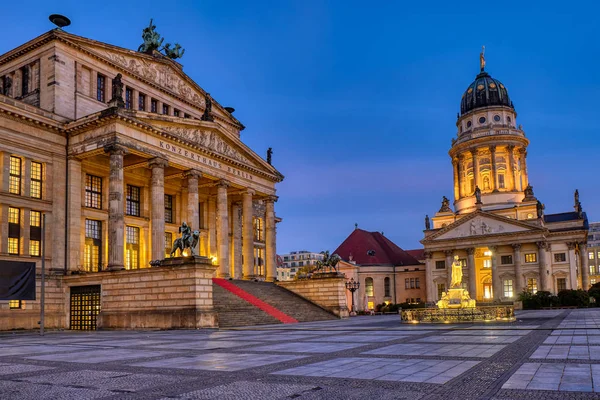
x: 235, y: 311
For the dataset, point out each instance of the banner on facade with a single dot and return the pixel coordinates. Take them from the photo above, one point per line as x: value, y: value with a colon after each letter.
x: 17, y: 280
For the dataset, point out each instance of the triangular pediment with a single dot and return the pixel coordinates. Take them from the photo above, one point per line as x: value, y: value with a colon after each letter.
x: 482, y: 224
x: 211, y: 139
x: 157, y: 70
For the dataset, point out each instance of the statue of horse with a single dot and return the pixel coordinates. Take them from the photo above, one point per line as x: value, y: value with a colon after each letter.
x: 179, y: 244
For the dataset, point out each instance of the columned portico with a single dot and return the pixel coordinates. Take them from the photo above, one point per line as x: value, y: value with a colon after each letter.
x: 157, y: 188
x: 223, y: 229
x: 116, y: 208
x: 271, y: 248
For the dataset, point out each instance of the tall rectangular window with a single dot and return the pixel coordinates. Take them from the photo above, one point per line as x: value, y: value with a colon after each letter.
x: 101, y: 88
x: 487, y: 263
x: 440, y: 264
x: 560, y: 257
x: 165, y: 109
x: 561, y: 284
x: 386, y: 287
x: 176, y: 112
x: 153, y: 105
x: 133, y: 201
x: 132, y: 251
x: 406, y: 283
x: 169, y: 208
x: 441, y: 288
x: 501, y: 181
x: 259, y: 261
x: 531, y: 257
x: 532, y: 285
x: 93, y: 191
x: 508, y: 288
x: 16, y: 304
x: 168, y: 244
x: 417, y: 283
x: 128, y: 98
x: 36, y: 180
x: 14, y: 230
x: 142, y: 102
x: 35, y: 233
x: 258, y: 231
x: 24, y: 80
x: 506, y: 260
x: 591, y: 255
x: 14, y: 184
x: 92, y: 259
x: 412, y: 283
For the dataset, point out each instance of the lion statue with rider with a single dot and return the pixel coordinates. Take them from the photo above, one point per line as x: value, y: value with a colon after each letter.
x: 188, y: 240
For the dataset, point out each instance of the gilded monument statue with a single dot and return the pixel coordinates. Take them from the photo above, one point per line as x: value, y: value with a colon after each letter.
x: 456, y: 273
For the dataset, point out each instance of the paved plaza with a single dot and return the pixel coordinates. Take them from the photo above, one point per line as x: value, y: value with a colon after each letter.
x: 544, y: 355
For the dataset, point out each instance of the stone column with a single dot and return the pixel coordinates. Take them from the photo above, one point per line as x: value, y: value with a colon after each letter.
x: 585, y: 269
x: 472, y: 272
x: 449, y: 260
x: 157, y: 189
x: 461, y: 183
x: 494, y: 180
x: 475, y: 168
x: 116, y: 208
x: 510, y: 167
x: 212, y: 226
x: 248, y: 235
x: 193, y: 214
x: 518, y: 269
x: 572, y: 265
x: 271, y: 249
x: 524, y: 176
x: 223, y: 229
x: 429, y: 285
x: 542, y: 263
x: 456, y: 179
x: 496, y: 283
x: 236, y: 224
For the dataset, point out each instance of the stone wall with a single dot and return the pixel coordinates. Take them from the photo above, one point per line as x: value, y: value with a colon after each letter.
x: 173, y: 296
x: 327, y: 291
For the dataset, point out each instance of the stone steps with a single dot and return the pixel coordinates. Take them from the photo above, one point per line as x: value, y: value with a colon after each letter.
x: 234, y: 311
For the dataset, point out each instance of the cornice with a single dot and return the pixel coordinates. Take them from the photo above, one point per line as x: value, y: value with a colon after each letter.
x: 114, y: 114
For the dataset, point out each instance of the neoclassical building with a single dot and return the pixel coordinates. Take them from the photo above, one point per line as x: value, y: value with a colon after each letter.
x: 498, y: 227
x: 118, y: 148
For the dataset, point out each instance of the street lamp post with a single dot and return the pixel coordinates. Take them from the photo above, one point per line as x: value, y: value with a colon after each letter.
x: 352, y: 286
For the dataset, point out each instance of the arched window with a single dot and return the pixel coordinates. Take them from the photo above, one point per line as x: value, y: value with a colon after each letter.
x: 386, y: 287
x: 486, y: 183
x: 369, y: 286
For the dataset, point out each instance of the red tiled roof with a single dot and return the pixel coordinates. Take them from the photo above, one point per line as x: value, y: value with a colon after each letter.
x: 418, y: 254
x: 360, y: 242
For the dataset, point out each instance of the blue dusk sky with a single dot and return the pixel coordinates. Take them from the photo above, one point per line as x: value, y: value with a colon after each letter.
x: 359, y: 99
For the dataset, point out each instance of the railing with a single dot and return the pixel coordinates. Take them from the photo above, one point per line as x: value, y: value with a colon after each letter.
x: 493, y: 313
x: 491, y: 132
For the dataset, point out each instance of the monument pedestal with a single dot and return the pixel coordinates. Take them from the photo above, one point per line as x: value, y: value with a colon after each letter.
x: 456, y: 298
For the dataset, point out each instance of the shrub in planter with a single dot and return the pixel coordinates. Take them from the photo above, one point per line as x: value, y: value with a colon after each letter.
x: 594, y: 292
x: 530, y: 301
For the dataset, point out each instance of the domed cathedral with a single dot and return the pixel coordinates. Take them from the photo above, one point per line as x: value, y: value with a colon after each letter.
x: 498, y: 229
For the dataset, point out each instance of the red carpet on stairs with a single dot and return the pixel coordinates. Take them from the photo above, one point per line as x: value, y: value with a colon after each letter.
x: 255, y: 301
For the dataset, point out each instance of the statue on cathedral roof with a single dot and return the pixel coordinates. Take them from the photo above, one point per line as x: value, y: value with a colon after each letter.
x: 482, y: 58
x: 540, y: 209
x: 427, y: 223
x: 445, y: 205
x: 529, y: 196
x: 576, y: 196
x: 477, y: 195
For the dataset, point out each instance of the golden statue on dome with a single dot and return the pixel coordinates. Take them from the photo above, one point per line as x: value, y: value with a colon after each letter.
x: 482, y: 58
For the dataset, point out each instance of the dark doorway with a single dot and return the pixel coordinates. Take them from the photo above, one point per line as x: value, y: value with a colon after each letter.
x: 85, y: 306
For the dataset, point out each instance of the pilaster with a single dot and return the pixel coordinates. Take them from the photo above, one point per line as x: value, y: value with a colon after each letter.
x: 572, y: 246
x: 518, y: 269
x: 496, y: 283
x: 542, y: 263
x: 585, y: 269
x: 74, y: 212
x: 472, y: 272
x: 429, y: 276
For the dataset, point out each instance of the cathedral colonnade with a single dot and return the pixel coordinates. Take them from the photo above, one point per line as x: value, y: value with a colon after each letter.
x: 500, y: 273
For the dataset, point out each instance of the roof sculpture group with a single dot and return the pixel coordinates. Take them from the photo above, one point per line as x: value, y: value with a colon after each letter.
x: 154, y: 42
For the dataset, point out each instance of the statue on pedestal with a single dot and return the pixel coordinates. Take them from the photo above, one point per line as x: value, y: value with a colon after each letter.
x: 456, y: 273
x: 427, y: 223
x: 477, y: 195
x: 188, y: 240
x: 445, y: 205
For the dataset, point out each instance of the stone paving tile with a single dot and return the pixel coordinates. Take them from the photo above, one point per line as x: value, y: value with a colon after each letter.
x: 248, y: 390
x: 6, y: 369
x: 490, y: 332
x: 414, y: 370
x: 125, y: 342
x: 469, y: 339
x: 27, y: 391
x: 307, y: 347
x: 218, y: 361
x: 446, y: 350
x: 356, y: 338
x: 567, y: 352
x: 122, y: 381
x: 279, y: 337
x: 557, y: 376
x: 207, y: 345
x: 16, y: 350
x: 100, y: 356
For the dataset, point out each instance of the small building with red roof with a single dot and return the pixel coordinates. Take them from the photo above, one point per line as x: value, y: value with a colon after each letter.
x: 386, y: 272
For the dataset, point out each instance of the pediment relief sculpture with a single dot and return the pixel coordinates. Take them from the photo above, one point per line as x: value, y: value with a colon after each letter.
x: 481, y: 226
x: 208, y: 139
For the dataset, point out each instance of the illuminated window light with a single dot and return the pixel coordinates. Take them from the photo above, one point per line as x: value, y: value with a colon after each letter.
x: 487, y: 253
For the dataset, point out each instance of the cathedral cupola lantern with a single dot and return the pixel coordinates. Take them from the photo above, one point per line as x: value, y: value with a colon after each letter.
x: 489, y: 150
